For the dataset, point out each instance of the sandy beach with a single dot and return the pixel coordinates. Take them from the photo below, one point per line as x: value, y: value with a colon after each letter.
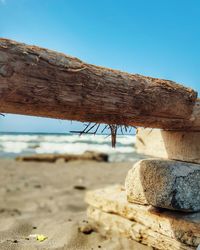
x: 48, y: 199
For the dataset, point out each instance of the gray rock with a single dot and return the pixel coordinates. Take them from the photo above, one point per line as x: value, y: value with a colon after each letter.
x: 167, y: 184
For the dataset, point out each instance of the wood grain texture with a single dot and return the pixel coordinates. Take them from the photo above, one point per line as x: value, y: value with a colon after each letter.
x: 41, y: 82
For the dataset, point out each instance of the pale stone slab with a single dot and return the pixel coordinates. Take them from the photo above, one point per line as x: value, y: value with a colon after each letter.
x: 175, y: 145
x: 167, y: 184
x: 110, y: 225
x: 122, y: 243
x: 178, y: 228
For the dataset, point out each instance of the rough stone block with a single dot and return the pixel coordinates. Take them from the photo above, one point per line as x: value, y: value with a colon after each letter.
x: 164, y: 183
x: 174, y: 145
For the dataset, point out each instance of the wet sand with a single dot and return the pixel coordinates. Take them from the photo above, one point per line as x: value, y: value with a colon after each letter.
x: 48, y: 199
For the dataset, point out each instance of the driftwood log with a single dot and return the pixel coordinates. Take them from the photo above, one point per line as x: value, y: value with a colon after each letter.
x: 40, y: 82
x: 86, y: 156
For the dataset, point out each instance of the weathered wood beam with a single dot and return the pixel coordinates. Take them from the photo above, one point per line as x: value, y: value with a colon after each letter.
x: 40, y: 82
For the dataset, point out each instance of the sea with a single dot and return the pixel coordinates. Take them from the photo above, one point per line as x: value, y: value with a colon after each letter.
x: 15, y: 144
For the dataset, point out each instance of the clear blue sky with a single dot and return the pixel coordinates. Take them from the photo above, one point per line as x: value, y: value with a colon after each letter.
x: 159, y: 38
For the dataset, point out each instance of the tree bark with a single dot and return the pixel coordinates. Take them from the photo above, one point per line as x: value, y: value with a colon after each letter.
x: 40, y: 82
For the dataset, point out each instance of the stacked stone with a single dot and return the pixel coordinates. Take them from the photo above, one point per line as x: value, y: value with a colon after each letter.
x: 172, y: 182
x: 160, y: 204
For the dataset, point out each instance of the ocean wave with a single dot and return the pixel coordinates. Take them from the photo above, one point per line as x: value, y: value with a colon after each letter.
x: 67, y: 138
x: 17, y: 144
x: 79, y: 148
x: 15, y: 147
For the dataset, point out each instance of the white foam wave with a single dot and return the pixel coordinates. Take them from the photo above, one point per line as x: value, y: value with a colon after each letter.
x: 16, y: 147
x: 22, y: 138
x: 67, y: 138
x: 79, y: 148
x: 69, y: 144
